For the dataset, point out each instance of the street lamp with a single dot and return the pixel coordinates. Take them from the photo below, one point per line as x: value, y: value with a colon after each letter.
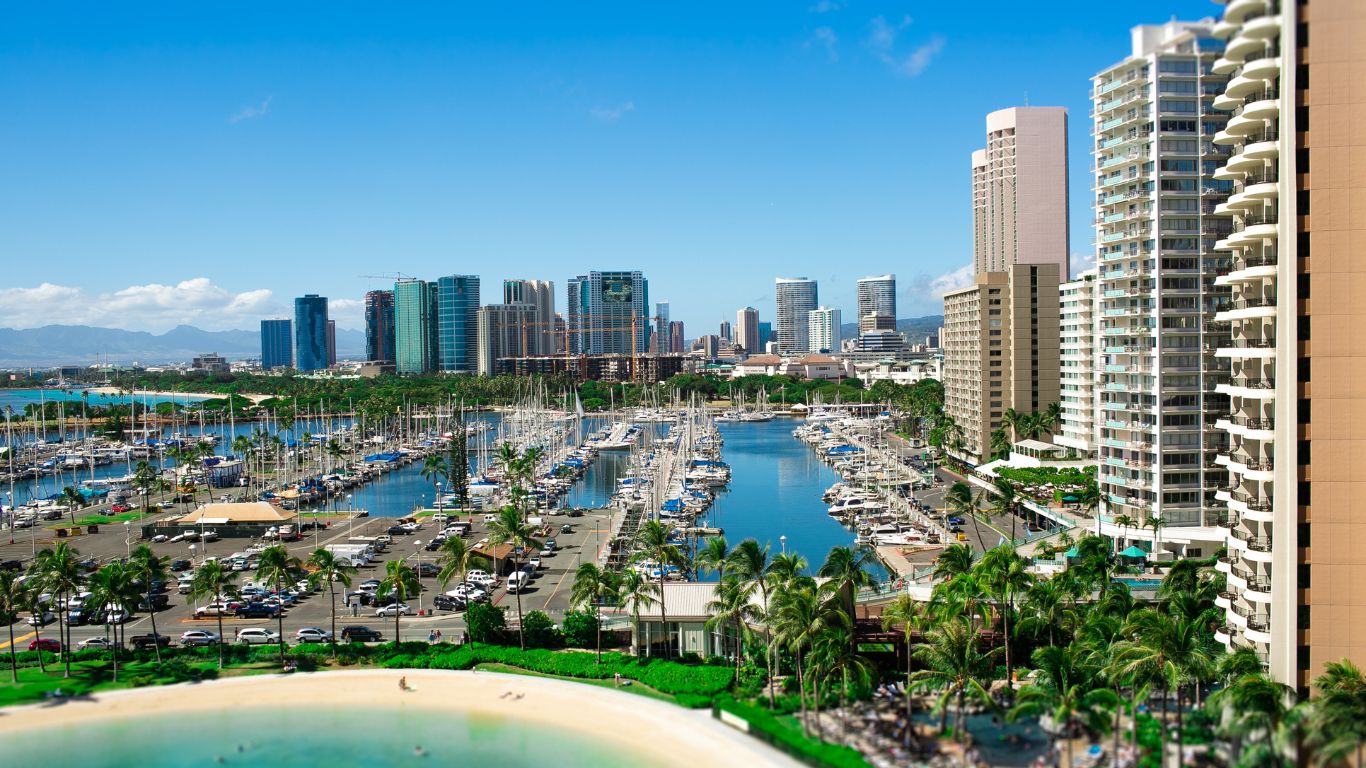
x: 439, y: 486
x: 783, y: 541
x: 127, y: 532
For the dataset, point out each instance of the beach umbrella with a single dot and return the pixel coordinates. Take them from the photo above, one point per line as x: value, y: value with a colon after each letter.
x: 1134, y: 553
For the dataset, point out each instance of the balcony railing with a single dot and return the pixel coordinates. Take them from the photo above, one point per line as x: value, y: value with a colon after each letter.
x: 1257, y: 260
x: 1254, y: 423
x: 1259, y: 543
x: 1252, y: 302
x: 1254, y: 218
x: 1249, y: 343
x: 1259, y: 622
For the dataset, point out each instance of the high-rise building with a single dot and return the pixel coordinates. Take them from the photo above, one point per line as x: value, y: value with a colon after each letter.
x: 659, y: 339
x: 796, y: 297
x: 1000, y: 350
x: 676, y: 335
x: 877, y: 303
x: 379, y: 326
x: 1079, y: 331
x: 1159, y: 213
x: 747, y: 330
x: 541, y: 295
x: 823, y: 330
x: 331, y: 343
x: 310, y: 332
x: 415, y: 346
x: 765, y: 336
x: 1019, y: 191
x: 725, y: 331
x: 617, y: 320
x: 1295, y: 525
x: 457, y: 323
x: 576, y: 310
x: 505, y: 330
x: 277, y: 344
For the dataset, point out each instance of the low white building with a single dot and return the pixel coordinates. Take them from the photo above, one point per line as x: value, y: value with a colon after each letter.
x: 900, y: 371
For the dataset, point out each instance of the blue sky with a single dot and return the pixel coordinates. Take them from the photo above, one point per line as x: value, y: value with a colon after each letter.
x: 204, y: 163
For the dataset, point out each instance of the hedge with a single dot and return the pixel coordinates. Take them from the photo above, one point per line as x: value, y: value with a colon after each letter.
x: 766, y: 727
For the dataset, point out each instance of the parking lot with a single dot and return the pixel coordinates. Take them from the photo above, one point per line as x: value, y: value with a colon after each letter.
x: 549, y: 591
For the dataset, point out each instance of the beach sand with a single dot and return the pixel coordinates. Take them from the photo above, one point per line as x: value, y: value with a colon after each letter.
x: 172, y: 395
x: 668, y: 734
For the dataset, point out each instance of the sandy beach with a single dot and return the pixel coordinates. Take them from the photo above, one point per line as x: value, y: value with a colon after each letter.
x: 671, y: 735
x: 116, y: 391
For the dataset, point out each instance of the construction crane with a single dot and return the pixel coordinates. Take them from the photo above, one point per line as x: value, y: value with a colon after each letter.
x: 397, y: 276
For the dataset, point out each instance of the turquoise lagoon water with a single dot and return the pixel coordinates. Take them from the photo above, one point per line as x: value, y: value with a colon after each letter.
x: 18, y: 398
x: 302, y: 737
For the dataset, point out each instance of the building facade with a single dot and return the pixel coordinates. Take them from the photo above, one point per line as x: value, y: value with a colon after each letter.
x: 1079, y: 328
x: 876, y: 303
x: 505, y: 330
x: 823, y: 330
x: 677, y: 341
x: 457, y: 323
x: 747, y: 330
x: 660, y: 343
x: 415, y: 350
x: 310, y: 332
x: 331, y: 343
x: 541, y: 295
x: 725, y: 331
x: 576, y: 298
x: 795, y: 297
x: 379, y: 326
x: 1019, y: 191
x: 1159, y: 214
x: 277, y: 344
x: 617, y: 320
x: 1295, y: 524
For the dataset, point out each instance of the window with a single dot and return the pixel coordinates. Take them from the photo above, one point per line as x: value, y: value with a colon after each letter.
x: 1181, y: 67
x: 1176, y: 86
x: 1179, y: 106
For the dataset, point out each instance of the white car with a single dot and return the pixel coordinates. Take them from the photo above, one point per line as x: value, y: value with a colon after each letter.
x: 400, y: 609
x: 440, y: 517
x: 312, y: 635
x: 95, y: 642
x: 481, y: 578
x: 198, y: 638
x: 43, y: 619
x: 160, y: 538
x: 535, y: 562
x: 470, y: 593
x: 257, y: 636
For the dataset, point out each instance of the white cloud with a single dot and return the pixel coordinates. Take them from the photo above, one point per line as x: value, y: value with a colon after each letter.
x: 249, y: 113
x: 924, y: 294
x: 951, y: 281
x: 825, y: 38
x: 882, y: 43
x: 612, y: 114
x: 826, y: 6
x: 151, y: 307
x: 1080, y: 262
x: 349, y: 313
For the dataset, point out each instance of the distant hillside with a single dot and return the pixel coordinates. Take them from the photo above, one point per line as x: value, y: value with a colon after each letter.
x: 915, y: 328
x: 84, y: 345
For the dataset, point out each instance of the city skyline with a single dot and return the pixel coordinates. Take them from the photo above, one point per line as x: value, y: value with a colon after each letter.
x: 246, y: 130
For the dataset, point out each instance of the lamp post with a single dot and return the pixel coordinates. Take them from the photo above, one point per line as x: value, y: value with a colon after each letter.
x: 439, y: 486
x: 127, y: 532
x: 782, y: 540
x: 350, y: 517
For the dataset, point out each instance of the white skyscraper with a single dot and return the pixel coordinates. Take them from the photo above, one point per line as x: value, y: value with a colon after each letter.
x: 823, y: 330
x: 1078, y: 396
x: 796, y: 297
x: 877, y: 303
x: 1019, y: 191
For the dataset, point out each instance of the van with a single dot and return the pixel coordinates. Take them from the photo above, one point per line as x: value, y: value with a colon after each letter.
x: 517, y: 581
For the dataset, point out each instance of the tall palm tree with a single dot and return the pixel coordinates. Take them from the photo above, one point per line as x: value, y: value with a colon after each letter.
x: 637, y: 591
x: 1003, y: 502
x: 734, y: 605
x: 511, y: 528
x: 110, y: 590
x: 1000, y: 444
x: 908, y: 613
x: 714, y: 556
x: 962, y: 502
x: 1166, y: 652
x: 277, y: 567
x: 954, y: 666
x: 836, y: 653
x: 751, y: 563
x: 213, y: 581
x: 73, y: 500
x: 1157, y: 524
x: 59, y: 570
x: 1014, y: 421
x: 955, y: 560
x: 434, y: 470
x: 1069, y: 688
x: 400, y: 580
x: 786, y: 569
x: 800, y: 614
x: 1337, y: 730
x: 653, y: 546
x: 847, y: 571
x: 1254, y: 707
x: 148, y: 567
x: 456, y: 558
x: 1124, y: 522
x: 12, y: 601
x: 327, y: 567
x: 1047, y: 610
x: 1003, y: 573
x: 592, y: 587
x: 145, y: 478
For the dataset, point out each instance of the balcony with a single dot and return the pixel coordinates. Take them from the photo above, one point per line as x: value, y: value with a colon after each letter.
x: 1259, y: 543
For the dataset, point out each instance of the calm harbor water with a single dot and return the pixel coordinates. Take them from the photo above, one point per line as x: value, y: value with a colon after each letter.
x: 301, y: 737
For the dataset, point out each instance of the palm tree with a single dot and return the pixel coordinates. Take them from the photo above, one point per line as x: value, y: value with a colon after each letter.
x: 786, y: 569
x: 955, y: 560
x: 1067, y: 688
x: 653, y: 545
x: 1094, y: 564
x: 637, y: 591
x: 1000, y: 444
x: 145, y: 478
x: 434, y: 470
x: 59, y: 570
x: 456, y: 559
x: 277, y: 567
x: 510, y: 528
x: 212, y: 581
x: 800, y: 614
x: 835, y: 653
x: 1157, y: 524
x: 909, y: 613
x: 963, y: 503
x: 751, y: 563
x: 847, y: 570
x: 73, y: 500
x: 1337, y: 724
x: 1166, y: 651
x: 713, y: 556
x: 1003, y: 502
x: 1014, y: 421
x: 1125, y: 523
x: 1047, y: 609
x: 1002, y: 573
x: 12, y: 601
x: 400, y: 580
x: 592, y: 587
x: 1051, y: 417
x: 111, y: 588
x: 148, y: 567
x: 956, y: 667
x: 733, y: 604
x: 1254, y: 706
x: 327, y: 567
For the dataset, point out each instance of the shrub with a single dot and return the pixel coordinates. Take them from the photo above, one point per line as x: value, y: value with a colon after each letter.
x: 580, y: 629
x: 540, y: 631
x: 788, y: 737
x: 487, y: 623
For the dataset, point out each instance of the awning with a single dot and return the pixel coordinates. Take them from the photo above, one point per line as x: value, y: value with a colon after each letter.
x: 1133, y: 552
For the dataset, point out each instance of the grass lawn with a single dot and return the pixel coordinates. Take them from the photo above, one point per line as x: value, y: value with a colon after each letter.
x: 634, y: 687
x: 97, y: 519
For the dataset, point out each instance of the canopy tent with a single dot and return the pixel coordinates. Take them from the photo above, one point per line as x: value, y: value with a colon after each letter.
x: 1133, y: 552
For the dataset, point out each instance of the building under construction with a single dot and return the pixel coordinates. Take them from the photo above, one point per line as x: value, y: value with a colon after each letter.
x: 609, y: 368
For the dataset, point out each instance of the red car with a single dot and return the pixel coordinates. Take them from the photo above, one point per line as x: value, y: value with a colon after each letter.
x: 45, y: 644
x: 119, y: 509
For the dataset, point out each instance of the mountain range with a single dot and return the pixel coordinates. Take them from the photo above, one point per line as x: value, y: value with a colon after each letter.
x: 915, y: 328
x: 53, y: 345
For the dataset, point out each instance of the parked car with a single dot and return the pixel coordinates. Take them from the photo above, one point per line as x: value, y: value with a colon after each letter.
x: 180, y: 565
x: 198, y: 638
x: 448, y: 603
x: 257, y: 611
x: 120, y: 508
x: 45, y: 644
x: 397, y: 530
x: 400, y: 609
x: 41, y: 619
x: 518, y: 581
x: 481, y: 578
x: 312, y: 635
x: 257, y: 636
x: 95, y: 642
x: 155, y: 602
x: 534, y: 562
x: 360, y: 634
x: 148, y: 641
x: 427, y: 569
x: 11, y: 565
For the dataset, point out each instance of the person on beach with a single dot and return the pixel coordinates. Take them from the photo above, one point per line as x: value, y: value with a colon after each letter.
x: 403, y: 683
